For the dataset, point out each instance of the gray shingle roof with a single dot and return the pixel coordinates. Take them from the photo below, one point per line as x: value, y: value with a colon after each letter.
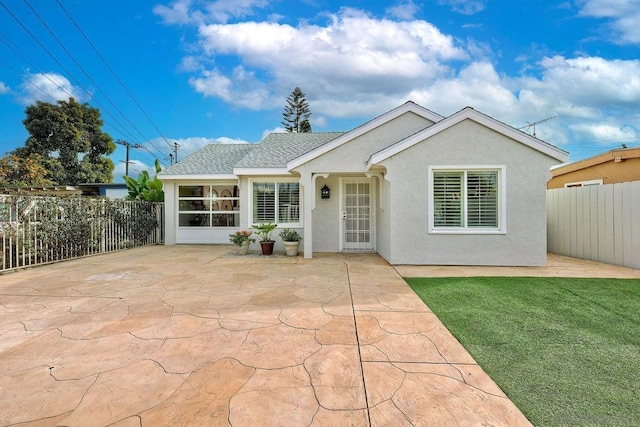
x: 279, y: 148
x: 275, y: 150
x: 216, y: 159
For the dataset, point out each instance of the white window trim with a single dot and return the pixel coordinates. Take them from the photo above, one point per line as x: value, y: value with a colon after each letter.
x: 583, y: 183
x: 276, y: 181
x: 177, y: 200
x: 502, y: 198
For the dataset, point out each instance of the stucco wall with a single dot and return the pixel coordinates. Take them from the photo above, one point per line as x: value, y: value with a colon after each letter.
x: 350, y: 160
x: 353, y: 155
x: 326, y: 217
x: 468, y: 144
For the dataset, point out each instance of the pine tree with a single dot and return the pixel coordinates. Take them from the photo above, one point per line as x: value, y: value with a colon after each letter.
x: 296, y: 113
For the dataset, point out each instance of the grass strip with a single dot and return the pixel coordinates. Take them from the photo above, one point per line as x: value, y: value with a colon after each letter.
x: 565, y: 350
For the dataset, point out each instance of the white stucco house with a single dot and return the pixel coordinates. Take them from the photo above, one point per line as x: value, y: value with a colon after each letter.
x: 411, y: 185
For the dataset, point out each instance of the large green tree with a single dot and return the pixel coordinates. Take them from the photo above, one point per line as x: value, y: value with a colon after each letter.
x: 68, y: 141
x: 297, y: 112
x: 18, y: 172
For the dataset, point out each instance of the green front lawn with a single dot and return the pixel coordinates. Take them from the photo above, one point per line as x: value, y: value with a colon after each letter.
x: 566, y: 351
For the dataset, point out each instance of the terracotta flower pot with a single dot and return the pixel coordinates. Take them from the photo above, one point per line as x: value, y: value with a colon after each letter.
x: 267, y: 247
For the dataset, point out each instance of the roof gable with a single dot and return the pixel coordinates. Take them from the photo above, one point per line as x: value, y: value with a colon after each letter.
x: 409, y: 106
x: 469, y: 113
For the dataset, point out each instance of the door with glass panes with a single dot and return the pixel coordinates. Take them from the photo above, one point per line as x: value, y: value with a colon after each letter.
x: 358, y: 215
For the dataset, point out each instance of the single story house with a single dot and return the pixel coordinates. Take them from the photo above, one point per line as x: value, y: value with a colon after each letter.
x: 412, y: 185
x: 612, y: 167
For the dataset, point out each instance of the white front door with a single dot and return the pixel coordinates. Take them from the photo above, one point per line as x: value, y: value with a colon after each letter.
x: 358, y: 215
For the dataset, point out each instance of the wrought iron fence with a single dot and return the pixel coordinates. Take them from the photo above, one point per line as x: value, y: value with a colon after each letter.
x: 38, y: 230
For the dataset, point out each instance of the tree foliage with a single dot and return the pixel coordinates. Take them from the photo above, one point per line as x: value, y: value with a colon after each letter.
x: 16, y: 171
x: 145, y: 188
x: 297, y: 112
x: 67, y: 141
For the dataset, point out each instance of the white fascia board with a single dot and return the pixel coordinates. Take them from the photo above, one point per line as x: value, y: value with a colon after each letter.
x: 471, y: 114
x: 361, y: 130
x: 260, y: 171
x: 195, y: 177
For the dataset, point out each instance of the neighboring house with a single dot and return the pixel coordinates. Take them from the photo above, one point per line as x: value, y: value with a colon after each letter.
x: 43, y: 190
x: 110, y: 190
x: 411, y: 185
x: 620, y: 165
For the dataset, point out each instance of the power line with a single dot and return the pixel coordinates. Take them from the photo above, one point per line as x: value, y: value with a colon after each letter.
x: 44, y: 24
x: 63, y: 67
x: 5, y: 40
x: 162, y: 155
x: 113, y: 72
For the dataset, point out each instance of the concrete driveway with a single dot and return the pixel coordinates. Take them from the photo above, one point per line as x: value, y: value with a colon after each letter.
x: 195, y: 335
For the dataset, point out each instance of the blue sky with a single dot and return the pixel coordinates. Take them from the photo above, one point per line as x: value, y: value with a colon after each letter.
x: 197, y: 72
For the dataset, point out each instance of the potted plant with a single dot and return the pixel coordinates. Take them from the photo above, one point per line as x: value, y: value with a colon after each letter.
x: 264, y: 230
x: 242, y: 239
x: 291, y: 240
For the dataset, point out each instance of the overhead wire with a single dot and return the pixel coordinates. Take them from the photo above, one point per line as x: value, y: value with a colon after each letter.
x: 115, y: 75
x: 44, y: 24
x: 60, y: 64
x: 23, y: 26
x: 81, y: 68
x: 5, y: 40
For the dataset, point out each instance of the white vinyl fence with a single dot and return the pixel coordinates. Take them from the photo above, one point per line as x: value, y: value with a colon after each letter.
x: 37, y: 230
x: 597, y: 223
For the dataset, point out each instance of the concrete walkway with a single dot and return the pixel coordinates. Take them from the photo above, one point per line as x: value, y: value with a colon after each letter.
x: 194, y: 335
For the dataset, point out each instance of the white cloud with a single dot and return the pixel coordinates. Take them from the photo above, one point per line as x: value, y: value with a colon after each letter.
x: 604, y: 132
x: 404, y: 9
x: 622, y: 15
x: 224, y: 10
x: 181, y: 11
x: 177, y: 13
x: 4, y: 88
x: 465, y: 7
x: 241, y: 88
x: 592, y: 81
x: 358, y: 66
x: 353, y: 53
x: 47, y: 87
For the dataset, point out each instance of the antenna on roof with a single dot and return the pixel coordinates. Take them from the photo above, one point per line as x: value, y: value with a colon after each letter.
x: 530, y: 125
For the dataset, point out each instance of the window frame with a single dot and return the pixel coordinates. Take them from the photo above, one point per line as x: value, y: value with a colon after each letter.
x: 211, y: 201
x: 275, y: 182
x: 465, y: 229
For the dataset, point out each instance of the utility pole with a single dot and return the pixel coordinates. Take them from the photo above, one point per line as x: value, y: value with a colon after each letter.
x: 175, y: 152
x: 128, y: 145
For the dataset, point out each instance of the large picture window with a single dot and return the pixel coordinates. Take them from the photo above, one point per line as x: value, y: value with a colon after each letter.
x: 277, y: 202
x: 208, y: 205
x: 466, y: 200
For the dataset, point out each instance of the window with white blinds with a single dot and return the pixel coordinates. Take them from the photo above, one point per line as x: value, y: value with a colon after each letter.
x: 466, y: 199
x: 277, y: 202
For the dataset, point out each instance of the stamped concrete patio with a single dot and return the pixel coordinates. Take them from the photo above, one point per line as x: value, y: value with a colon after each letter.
x: 194, y: 335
